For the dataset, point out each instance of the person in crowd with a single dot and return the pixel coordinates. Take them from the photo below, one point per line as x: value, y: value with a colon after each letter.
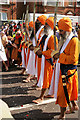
x: 3, y: 57
x: 16, y: 56
x: 5, y: 42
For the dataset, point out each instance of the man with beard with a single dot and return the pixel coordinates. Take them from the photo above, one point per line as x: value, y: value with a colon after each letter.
x: 39, y: 24
x: 46, y: 47
x: 68, y: 59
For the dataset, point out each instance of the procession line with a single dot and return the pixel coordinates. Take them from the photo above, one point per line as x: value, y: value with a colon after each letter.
x: 34, y: 104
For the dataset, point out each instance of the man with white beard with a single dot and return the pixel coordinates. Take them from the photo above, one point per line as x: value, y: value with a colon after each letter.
x: 46, y: 47
x: 66, y: 74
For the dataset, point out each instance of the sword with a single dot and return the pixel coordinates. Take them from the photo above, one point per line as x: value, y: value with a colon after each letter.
x: 54, y: 29
x: 36, y: 47
x: 65, y: 91
x: 22, y: 21
x: 55, y: 18
x: 26, y: 24
x: 26, y: 27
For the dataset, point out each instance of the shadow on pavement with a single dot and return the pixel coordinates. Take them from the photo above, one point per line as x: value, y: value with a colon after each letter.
x: 18, y: 100
x: 14, y: 90
x: 37, y: 114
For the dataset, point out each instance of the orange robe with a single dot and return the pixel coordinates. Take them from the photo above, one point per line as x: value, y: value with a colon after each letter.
x: 79, y: 34
x: 15, y: 50
x: 48, y: 68
x: 28, y: 53
x: 70, y: 56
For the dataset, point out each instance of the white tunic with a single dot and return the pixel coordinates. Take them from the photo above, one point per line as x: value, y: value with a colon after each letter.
x: 2, y: 52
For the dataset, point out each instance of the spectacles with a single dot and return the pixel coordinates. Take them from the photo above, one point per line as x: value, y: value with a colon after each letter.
x: 61, y: 30
x: 46, y: 24
x: 37, y: 21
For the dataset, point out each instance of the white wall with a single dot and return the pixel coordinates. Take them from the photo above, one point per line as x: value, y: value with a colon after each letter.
x: 73, y: 18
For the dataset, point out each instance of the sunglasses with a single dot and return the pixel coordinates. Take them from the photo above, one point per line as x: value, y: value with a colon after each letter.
x: 61, y: 30
x: 46, y: 24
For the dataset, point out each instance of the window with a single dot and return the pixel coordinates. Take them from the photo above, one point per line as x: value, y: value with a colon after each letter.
x: 4, y: 1
x: 4, y: 16
x: 70, y: 2
x: 78, y: 3
x: 24, y: 2
x: 53, y: 2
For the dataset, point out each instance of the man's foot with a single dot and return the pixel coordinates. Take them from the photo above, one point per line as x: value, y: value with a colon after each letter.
x: 27, y: 80
x: 75, y: 108
x: 69, y: 111
x: 49, y: 96
x: 33, y: 78
x: 6, y: 68
x: 35, y: 85
x: 38, y: 101
x: 23, y: 72
x: 61, y: 117
x: 38, y: 88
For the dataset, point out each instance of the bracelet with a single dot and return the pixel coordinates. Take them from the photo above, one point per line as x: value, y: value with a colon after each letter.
x: 54, y: 52
x: 36, y: 49
x: 29, y: 45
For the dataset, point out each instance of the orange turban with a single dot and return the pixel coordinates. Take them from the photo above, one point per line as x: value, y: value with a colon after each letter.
x: 31, y: 24
x: 42, y: 19
x: 50, y: 22
x: 57, y: 28
x: 65, y: 24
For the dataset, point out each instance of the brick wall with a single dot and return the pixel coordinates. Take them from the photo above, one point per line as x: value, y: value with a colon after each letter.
x: 19, y: 8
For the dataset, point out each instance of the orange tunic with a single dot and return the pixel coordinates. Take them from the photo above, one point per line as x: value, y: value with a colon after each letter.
x: 48, y: 69
x: 15, y: 50
x: 70, y: 56
x: 79, y: 34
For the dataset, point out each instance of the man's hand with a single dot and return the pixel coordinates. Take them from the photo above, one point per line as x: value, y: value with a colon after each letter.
x: 39, y: 52
x: 56, y: 56
x: 31, y: 47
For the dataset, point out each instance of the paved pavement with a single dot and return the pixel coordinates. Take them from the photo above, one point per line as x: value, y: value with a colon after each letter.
x: 19, y: 96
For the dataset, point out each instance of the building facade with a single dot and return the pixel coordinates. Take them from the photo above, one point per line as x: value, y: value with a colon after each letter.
x: 13, y: 9
x: 7, y: 9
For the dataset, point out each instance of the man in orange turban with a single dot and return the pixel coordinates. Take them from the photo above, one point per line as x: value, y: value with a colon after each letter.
x: 46, y: 47
x: 68, y: 59
x: 31, y: 24
x: 40, y: 21
x: 39, y: 24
